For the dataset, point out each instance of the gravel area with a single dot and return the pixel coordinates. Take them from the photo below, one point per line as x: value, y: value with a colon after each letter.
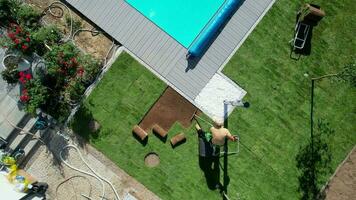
x: 46, y: 166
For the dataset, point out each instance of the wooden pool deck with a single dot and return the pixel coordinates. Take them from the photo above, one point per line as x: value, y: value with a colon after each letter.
x: 162, y: 54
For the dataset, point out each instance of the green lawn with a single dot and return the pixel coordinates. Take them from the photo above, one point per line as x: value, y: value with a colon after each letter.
x: 120, y: 101
x: 277, y: 122
x: 271, y: 130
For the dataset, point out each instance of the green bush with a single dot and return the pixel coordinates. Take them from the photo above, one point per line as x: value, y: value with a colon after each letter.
x: 8, y: 9
x: 28, y: 16
x: 68, y: 74
x: 49, y: 35
x: 6, y: 42
x: 34, y: 95
x: 74, y: 91
x: 348, y: 74
x: 18, y: 38
x: 61, y: 65
x: 90, y: 68
x: 60, y: 111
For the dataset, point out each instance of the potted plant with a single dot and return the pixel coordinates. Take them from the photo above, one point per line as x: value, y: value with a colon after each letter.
x: 10, y: 74
x: 10, y: 60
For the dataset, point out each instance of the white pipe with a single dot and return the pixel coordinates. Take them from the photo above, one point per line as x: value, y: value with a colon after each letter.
x: 93, y: 174
x: 49, y: 9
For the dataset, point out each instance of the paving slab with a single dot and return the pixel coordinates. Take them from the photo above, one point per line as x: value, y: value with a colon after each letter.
x: 211, y: 99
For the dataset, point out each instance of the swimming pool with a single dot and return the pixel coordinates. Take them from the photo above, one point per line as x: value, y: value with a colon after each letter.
x: 181, y: 19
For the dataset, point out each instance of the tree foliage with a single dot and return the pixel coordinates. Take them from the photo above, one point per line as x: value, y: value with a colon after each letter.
x: 313, y: 161
x: 348, y: 74
x: 8, y: 9
x: 47, y: 35
x: 28, y: 17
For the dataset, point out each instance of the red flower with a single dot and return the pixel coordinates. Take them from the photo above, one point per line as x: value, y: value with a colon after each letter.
x: 73, y: 60
x: 24, y: 47
x: 28, y: 39
x: 17, y: 41
x: 22, y: 80
x: 11, y: 36
x: 28, y: 76
x: 80, y: 71
x: 24, y: 98
x: 18, y: 30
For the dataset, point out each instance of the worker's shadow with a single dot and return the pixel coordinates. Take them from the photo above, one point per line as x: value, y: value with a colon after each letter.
x: 211, y: 169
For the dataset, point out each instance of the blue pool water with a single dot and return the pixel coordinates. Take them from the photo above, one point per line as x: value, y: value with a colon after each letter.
x: 181, y: 19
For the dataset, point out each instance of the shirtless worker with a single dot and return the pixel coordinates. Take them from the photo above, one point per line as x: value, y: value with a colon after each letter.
x: 217, y: 134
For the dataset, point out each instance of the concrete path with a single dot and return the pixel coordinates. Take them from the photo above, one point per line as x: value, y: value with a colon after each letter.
x: 9, y: 96
x: 46, y: 166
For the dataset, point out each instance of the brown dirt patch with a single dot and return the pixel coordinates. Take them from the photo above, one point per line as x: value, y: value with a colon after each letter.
x: 343, y: 185
x: 97, y: 46
x: 152, y: 159
x: 170, y: 107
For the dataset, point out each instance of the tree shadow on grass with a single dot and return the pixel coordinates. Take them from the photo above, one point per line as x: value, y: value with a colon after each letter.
x: 314, y: 162
x: 81, y: 126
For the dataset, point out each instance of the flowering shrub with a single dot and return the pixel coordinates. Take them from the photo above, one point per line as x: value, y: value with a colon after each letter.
x: 17, y: 38
x: 88, y: 70
x: 24, y: 78
x: 33, y: 94
x: 24, y: 98
x: 67, y: 73
x: 61, y: 66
